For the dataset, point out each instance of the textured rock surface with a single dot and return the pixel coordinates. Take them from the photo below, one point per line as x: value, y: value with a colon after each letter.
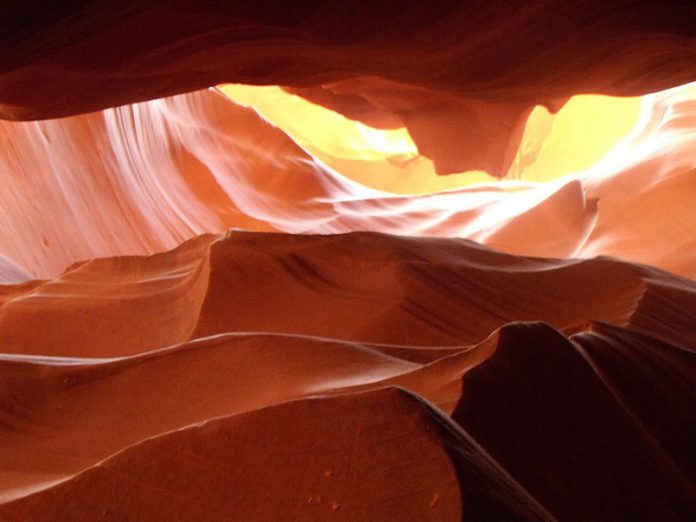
x: 143, y: 178
x: 206, y: 314
x: 90, y: 417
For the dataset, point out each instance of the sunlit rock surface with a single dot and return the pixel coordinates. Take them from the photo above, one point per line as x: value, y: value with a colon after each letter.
x: 257, y: 298
x: 143, y: 178
x: 462, y: 74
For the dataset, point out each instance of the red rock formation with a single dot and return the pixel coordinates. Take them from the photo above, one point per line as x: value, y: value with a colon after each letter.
x: 413, y: 313
x: 345, y: 352
x: 143, y: 178
x: 453, y: 65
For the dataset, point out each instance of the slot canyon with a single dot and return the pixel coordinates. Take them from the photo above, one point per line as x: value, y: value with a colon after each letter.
x: 315, y: 260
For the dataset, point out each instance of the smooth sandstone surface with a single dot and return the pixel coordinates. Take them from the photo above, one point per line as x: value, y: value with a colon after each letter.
x: 217, y: 303
x: 143, y: 178
x: 266, y: 392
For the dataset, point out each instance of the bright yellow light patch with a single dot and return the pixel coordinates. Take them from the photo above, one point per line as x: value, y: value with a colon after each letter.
x: 553, y: 146
x: 574, y: 139
x: 322, y: 129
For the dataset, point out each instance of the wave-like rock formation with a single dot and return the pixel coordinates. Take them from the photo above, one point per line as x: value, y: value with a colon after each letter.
x: 359, y: 376
x: 143, y: 178
x: 234, y: 285
x: 462, y: 76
